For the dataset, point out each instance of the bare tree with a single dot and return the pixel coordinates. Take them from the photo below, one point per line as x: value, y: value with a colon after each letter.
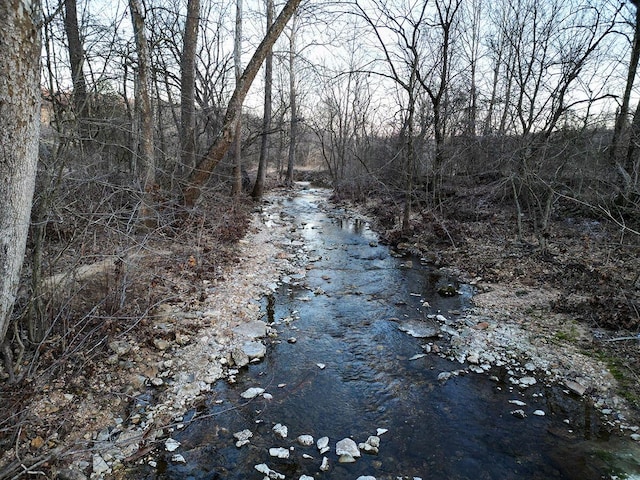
x: 144, y: 111
x: 220, y: 146
x: 76, y: 59
x: 187, y: 86
x: 20, y: 94
x: 258, y: 187
x: 236, y: 182
x: 293, y: 105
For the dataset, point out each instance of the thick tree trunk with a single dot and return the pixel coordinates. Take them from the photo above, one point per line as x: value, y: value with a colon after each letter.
x: 76, y: 59
x: 144, y: 111
x: 19, y: 134
x: 188, y: 85
x: 220, y: 146
x: 258, y: 188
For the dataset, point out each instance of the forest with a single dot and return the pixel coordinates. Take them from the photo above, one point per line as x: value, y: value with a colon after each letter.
x: 499, y: 138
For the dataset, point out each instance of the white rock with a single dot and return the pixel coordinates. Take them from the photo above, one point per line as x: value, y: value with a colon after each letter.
x: 307, y: 456
x: 305, y: 440
x: 252, y: 392
x: 279, y: 452
x: 366, y: 477
x: 323, y: 444
x: 306, y: 477
x: 321, y: 366
x: 264, y: 469
x: 281, y: 430
x: 170, y: 444
x: 444, y: 376
x: 539, y: 413
x: 381, y: 431
x: 325, y: 464
x: 517, y: 402
x: 575, y: 387
x: 528, y: 381
x: 243, y: 437
x: 635, y: 436
x: 177, y: 458
x: 518, y: 413
x: 99, y: 465
x: 417, y: 356
x: 347, y: 448
x: 267, y: 396
x: 473, y: 358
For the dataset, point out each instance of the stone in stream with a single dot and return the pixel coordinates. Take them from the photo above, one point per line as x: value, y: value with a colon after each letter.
x: 254, y: 350
x: 265, y: 470
x: 323, y: 444
x: 420, y: 328
x: 371, y: 445
x: 281, y: 430
x: 243, y: 437
x: 279, y: 452
x: 305, y: 440
x: 324, y: 466
x: 252, y: 392
x: 347, y: 450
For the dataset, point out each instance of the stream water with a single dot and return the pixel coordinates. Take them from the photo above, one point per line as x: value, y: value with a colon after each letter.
x: 344, y: 314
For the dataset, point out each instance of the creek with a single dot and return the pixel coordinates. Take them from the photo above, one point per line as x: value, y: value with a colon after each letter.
x: 341, y: 367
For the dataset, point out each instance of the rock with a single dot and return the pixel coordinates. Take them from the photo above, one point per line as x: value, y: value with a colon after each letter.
x: 265, y: 470
x: 371, y: 445
x: 239, y: 356
x: 381, y: 431
x: 279, y: 452
x: 575, y: 387
x: 321, y: 366
x: 170, y: 444
x: 281, y: 430
x: 324, y: 466
x: 177, y: 458
x: 347, y: 450
x: 243, y: 437
x: 366, y: 477
x: 254, y: 350
x: 539, y: 413
x: 444, y: 376
x: 252, y: 392
x: 473, y: 358
x: 518, y: 403
x: 100, y: 467
x: 120, y: 347
x: 252, y: 330
x: 160, y: 343
x: 518, y: 413
x: 635, y: 436
x: 305, y: 440
x: 420, y: 328
x: 323, y: 444
x: 527, y: 381
x: 267, y: 396
x: 418, y: 355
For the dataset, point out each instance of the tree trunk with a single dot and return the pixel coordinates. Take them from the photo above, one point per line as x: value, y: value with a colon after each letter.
x: 20, y: 94
x: 220, y: 146
x: 258, y: 188
x: 188, y: 85
x: 236, y: 188
x: 76, y: 59
x: 144, y: 111
x: 293, y: 124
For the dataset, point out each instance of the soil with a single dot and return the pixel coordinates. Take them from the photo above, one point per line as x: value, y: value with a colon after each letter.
x: 563, y: 309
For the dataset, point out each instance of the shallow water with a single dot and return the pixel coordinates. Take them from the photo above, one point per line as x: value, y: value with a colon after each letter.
x: 345, y: 315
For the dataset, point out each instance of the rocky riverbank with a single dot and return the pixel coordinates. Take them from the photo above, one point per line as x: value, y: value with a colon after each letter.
x: 141, y: 395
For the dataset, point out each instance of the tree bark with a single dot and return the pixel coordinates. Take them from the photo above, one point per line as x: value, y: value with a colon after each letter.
x: 258, y: 188
x: 220, y: 146
x: 188, y: 85
x: 20, y: 45
x: 293, y: 124
x: 236, y: 188
x: 76, y: 59
x: 144, y: 111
